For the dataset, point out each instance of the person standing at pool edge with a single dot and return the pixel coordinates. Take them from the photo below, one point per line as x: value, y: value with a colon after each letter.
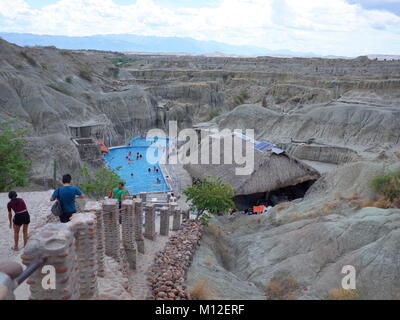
x: 67, y: 195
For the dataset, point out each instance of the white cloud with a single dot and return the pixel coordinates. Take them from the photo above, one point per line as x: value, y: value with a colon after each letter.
x: 325, y: 27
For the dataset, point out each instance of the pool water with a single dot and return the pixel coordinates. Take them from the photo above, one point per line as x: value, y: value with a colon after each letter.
x: 142, y: 180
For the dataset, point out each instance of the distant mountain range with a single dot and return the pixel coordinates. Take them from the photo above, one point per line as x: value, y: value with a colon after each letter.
x: 135, y: 43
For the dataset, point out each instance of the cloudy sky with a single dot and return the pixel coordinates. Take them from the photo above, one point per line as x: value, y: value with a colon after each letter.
x: 328, y: 27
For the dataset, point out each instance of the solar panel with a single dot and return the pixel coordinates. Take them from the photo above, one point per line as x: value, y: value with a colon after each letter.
x: 264, y: 146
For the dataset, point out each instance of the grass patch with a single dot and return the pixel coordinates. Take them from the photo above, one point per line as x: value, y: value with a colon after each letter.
x: 342, y: 294
x: 61, y: 89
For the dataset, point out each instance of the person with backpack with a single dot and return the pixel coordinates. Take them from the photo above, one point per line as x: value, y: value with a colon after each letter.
x: 21, y: 218
x: 66, y: 195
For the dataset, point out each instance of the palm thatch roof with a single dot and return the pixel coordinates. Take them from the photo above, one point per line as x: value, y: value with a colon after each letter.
x: 271, y: 172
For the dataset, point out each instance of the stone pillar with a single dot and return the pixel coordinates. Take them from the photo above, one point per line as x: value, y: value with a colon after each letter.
x: 139, y: 226
x: 164, y: 221
x: 96, y: 209
x: 9, y: 270
x: 186, y: 215
x: 83, y: 227
x: 111, y: 228
x: 176, y: 224
x: 56, y: 243
x: 150, y: 223
x: 143, y: 197
x: 128, y: 229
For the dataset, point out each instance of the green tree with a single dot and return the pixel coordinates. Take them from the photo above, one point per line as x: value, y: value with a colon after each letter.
x: 14, y: 167
x: 210, y: 196
x: 97, y: 184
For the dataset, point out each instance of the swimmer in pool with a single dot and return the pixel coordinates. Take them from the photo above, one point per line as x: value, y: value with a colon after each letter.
x: 158, y: 181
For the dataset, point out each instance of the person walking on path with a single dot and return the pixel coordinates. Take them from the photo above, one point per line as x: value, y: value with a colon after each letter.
x: 67, y: 196
x: 21, y: 218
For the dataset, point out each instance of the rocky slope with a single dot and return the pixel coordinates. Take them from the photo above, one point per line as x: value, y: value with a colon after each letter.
x: 306, y: 243
x: 349, y: 104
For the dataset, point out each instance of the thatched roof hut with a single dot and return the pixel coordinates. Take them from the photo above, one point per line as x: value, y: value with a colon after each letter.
x: 272, y: 171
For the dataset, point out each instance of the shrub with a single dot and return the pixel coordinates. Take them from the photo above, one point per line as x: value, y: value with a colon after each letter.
x: 68, y: 79
x: 387, y: 185
x: 14, y: 166
x: 281, y: 288
x: 200, y: 291
x: 241, y: 98
x: 343, y: 294
x: 84, y: 74
x: 97, y: 184
x: 121, y: 60
x: 210, y: 196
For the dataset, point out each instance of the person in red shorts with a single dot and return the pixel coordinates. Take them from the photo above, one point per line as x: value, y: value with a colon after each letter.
x: 21, y: 218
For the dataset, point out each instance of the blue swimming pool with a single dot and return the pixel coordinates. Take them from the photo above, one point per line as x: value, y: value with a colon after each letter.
x: 142, y: 180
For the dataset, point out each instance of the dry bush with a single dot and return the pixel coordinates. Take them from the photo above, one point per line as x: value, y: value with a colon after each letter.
x: 342, y: 294
x: 281, y: 288
x: 281, y: 207
x: 381, y: 203
x: 355, y: 196
x: 324, y: 211
x: 397, y: 153
x: 209, y: 261
x: 295, y: 216
x: 366, y: 203
x: 332, y: 204
x: 340, y: 197
x: 201, y: 291
x: 213, y: 230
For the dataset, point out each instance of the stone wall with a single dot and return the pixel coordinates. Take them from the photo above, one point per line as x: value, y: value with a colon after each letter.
x: 168, y: 273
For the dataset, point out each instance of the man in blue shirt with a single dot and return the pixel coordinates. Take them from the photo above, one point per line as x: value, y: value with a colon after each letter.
x: 66, y: 195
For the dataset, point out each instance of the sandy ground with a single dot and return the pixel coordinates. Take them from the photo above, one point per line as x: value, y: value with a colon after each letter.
x: 39, y: 207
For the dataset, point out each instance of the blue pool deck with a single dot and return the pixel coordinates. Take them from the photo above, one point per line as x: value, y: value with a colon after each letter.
x: 141, y: 181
